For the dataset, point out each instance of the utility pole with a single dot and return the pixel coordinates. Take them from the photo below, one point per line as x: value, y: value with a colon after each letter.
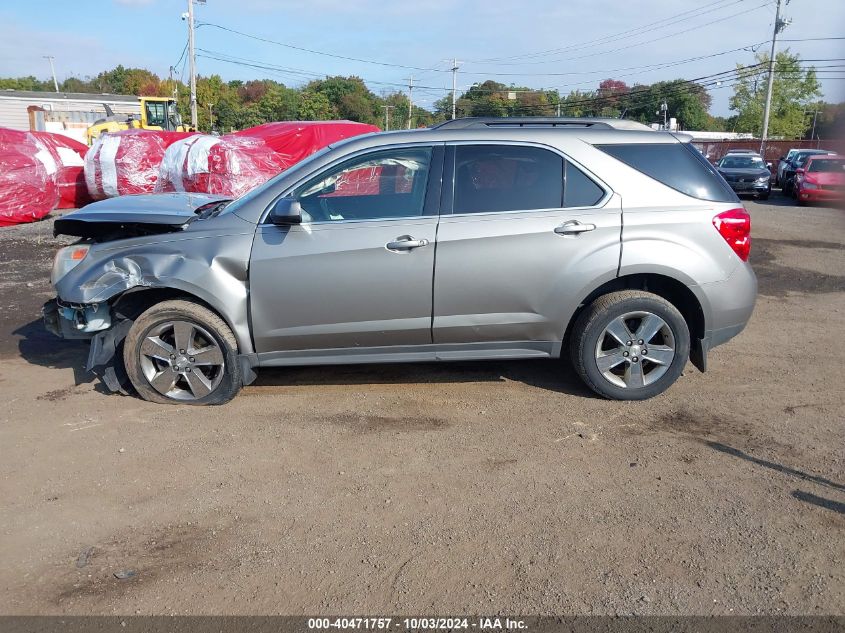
x: 455, y: 64
x: 558, y: 107
x: 192, y: 64
x: 387, y: 109
x: 779, y: 26
x: 410, y: 100
x: 53, y: 70
x: 210, y: 118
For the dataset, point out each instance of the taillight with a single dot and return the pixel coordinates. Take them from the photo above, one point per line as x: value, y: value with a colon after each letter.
x: 735, y: 226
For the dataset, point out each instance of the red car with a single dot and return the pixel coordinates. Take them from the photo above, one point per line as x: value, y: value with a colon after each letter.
x: 822, y: 179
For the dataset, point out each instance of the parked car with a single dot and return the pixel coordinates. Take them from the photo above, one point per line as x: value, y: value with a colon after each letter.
x: 475, y: 239
x: 822, y: 179
x: 746, y: 174
x: 796, y: 162
x: 782, y: 163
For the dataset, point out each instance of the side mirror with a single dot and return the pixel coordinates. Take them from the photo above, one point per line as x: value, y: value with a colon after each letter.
x: 286, y: 211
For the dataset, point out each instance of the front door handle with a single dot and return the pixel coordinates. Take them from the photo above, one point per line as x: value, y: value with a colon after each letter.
x: 574, y: 227
x: 405, y: 243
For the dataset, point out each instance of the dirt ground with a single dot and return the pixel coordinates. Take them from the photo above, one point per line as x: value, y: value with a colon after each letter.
x: 438, y: 489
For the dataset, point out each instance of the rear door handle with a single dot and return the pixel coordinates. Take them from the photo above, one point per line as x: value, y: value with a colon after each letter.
x: 405, y: 243
x: 574, y: 227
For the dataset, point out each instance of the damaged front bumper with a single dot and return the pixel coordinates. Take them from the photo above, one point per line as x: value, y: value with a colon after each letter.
x: 90, y: 322
x: 76, y: 321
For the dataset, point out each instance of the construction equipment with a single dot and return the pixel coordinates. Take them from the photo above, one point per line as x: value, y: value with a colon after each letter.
x: 157, y: 113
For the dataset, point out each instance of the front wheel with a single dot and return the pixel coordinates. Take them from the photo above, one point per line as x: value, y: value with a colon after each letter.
x: 179, y: 352
x: 630, y: 345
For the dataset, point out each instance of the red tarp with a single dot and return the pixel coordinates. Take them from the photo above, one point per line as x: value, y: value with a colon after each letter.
x: 28, y: 178
x: 233, y: 164
x: 127, y: 162
x: 226, y: 165
x: 295, y: 140
x: 73, y: 193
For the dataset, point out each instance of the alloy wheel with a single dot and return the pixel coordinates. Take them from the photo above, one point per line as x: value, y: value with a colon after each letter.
x: 635, y: 350
x: 181, y: 360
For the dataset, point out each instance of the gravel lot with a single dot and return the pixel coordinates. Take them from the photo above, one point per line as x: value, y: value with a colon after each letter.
x: 439, y: 489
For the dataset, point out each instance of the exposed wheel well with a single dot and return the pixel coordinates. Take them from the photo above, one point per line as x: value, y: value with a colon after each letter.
x: 670, y: 289
x: 132, y: 303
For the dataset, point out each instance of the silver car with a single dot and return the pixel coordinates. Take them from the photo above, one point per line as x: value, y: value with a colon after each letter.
x: 601, y: 240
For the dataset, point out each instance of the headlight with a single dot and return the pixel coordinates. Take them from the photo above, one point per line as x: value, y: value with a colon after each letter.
x: 763, y: 179
x: 66, y: 259
x: 808, y: 185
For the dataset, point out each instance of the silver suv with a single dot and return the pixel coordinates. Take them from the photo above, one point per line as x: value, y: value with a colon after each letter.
x: 601, y: 240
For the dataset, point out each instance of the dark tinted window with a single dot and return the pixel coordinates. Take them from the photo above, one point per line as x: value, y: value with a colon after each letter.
x: 506, y: 178
x: 579, y: 190
x: 676, y: 165
x: 388, y: 184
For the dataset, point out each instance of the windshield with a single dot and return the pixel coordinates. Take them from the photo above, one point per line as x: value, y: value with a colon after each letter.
x: 827, y: 164
x: 257, y: 191
x: 802, y: 157
x: 742, y: 162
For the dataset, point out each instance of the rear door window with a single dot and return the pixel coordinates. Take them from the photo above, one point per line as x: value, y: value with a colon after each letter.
x: 676, y: 165
x: 491, y: 178
x: 498, y: 178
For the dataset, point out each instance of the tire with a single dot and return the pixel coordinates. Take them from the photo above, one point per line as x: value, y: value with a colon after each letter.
x: 202, y: 369
x: 592, y: 343
x: 764, y: 196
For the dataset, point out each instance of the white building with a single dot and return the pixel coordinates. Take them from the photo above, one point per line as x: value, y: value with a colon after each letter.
x: 68, y: 113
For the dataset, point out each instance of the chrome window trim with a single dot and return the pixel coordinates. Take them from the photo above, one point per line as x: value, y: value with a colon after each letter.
x: 608, y: 192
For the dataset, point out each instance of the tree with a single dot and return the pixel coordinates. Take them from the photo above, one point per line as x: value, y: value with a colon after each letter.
x: 609, y: 93
x: 793, y: 90
x: 314, y: 106
x: 686, y: 101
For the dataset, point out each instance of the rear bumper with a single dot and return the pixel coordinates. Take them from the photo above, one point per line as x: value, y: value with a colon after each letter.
x: 731, y: 304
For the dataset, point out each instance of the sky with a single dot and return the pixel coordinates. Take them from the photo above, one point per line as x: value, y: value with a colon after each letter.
x: 563, y: 44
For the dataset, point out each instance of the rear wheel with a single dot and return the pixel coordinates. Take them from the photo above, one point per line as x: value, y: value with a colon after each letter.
x: 179, y: 352
x: 630, y: 345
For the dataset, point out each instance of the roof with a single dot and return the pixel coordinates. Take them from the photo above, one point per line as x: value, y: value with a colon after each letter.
x: 70, y: 96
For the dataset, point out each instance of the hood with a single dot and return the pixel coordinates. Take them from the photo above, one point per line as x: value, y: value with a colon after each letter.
x: 131, y: 216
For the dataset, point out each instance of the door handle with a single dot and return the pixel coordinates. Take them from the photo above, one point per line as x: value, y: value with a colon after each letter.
x: 574, y: 227
x: 405, y: 243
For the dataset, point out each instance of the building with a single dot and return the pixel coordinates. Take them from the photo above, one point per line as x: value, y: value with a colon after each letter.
x: 68, y: 113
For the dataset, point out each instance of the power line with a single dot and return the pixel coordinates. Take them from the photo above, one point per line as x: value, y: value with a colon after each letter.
x: 316, y: 52
x: 634, y: 45
x: 240, y: 61
x: 616, y: 36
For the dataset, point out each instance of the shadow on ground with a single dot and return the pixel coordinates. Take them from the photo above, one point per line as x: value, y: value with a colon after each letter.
x: 552, y: 375
x: 39, y: 347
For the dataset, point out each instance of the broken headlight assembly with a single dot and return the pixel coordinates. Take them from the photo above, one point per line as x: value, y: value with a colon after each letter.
x: 67, y: 259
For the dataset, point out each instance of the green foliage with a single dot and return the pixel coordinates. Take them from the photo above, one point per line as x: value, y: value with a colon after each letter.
x: 240, y: 104
x: 793, y: 91
x: 314, y: 106
x: 26, y: 83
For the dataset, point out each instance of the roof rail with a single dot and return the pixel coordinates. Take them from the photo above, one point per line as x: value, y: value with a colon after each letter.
x: 537, y: 121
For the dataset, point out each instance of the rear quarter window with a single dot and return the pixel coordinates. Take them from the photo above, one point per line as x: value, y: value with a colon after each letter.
x: 676, y: 165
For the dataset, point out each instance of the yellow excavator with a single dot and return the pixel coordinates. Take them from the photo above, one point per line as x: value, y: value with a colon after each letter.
x: 157, y: 113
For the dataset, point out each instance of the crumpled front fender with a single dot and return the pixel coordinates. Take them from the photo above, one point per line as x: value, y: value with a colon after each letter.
x: 212, y: 268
